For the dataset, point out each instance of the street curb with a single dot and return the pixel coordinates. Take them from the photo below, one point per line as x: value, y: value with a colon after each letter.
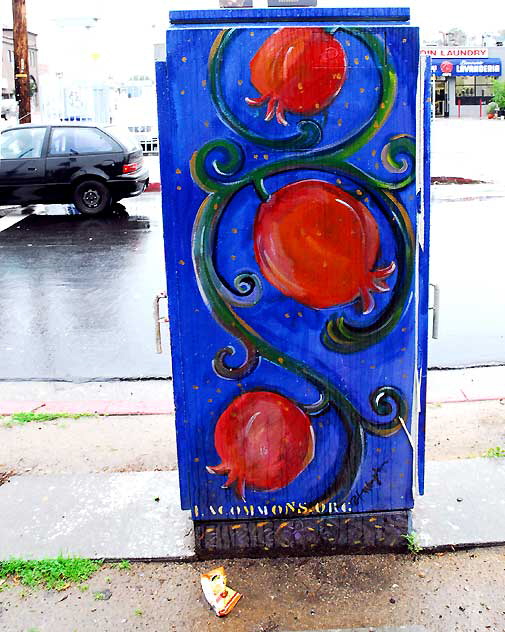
x: 455, y: 180
x: 126, y: 407
x: 95, y: 407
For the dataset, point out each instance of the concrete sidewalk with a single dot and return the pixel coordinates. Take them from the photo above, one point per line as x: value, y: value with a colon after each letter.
x: 154, y: 397
x: 137, y: 516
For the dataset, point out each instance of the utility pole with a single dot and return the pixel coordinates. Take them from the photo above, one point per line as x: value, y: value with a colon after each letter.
x: 21, y: 68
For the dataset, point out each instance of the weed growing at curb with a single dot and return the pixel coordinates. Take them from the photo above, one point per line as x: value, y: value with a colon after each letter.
x: 495, y: 453
x: 26, y: 418
x: 413, y: 544
x: 123, y: 565
x: 56, y: 573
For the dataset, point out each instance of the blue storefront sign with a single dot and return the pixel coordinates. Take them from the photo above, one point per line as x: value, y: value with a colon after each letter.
x: 490, y: 66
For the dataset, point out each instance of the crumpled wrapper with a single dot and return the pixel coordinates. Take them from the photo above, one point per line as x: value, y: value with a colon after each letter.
x: 220, y: 596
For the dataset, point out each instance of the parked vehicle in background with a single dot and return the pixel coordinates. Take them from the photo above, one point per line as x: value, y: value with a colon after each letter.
x: 88, y: 166
x: 147, y: 135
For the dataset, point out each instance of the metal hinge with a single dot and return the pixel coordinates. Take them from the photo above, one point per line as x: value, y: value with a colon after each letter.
x: 158, y: 320
x: 435, y: 308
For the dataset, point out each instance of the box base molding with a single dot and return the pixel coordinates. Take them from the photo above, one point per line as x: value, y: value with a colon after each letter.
x: 309, y: 535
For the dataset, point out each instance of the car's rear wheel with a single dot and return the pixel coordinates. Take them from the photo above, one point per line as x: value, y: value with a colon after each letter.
x: 92, y: 197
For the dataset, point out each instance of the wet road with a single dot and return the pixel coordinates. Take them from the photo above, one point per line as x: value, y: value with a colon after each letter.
x: 76, y: 294
x: 467, y: 255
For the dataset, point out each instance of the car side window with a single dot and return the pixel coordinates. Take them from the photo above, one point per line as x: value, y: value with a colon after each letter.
x: 72, y: 141
x: 22, y: 143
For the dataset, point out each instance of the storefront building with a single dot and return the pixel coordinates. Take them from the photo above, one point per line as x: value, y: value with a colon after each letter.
x: 462, y: 78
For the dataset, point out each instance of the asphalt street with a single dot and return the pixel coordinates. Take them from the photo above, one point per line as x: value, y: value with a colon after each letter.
x: 76, y: 293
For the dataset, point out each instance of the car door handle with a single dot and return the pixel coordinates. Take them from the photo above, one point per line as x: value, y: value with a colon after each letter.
x: 31, y: 169
x: 107, y: 163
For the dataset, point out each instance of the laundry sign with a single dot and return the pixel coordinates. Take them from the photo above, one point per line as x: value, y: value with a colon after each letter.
x: 490, y: 66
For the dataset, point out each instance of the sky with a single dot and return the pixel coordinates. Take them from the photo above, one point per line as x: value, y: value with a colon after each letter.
x: 122, y: 32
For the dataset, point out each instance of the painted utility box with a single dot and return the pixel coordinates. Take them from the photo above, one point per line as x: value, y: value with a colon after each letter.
x: 293, y: 159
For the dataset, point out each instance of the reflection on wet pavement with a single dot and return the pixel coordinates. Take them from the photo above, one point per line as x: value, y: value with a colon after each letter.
x: 77, y: 294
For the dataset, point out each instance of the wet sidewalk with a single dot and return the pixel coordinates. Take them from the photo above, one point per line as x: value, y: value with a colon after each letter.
x: 154, y: 397
x: 136, y: 514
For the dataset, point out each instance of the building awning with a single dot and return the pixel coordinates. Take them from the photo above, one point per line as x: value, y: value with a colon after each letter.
x: 491, y: 66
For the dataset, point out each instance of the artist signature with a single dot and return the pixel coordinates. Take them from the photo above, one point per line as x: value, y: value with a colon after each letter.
x: 369, y: 485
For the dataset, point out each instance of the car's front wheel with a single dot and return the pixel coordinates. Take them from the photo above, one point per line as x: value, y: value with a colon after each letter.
x: 92, y: 197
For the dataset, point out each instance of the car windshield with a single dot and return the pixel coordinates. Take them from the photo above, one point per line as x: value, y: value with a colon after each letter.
x: 124, y: 137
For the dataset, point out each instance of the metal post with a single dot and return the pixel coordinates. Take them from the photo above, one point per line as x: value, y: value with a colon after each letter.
x: 21, y: 68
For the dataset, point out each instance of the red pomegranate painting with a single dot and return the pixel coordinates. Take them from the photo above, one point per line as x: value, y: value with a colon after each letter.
x: 300, y: 70
x: 264, y: 440
x: 318, y: 244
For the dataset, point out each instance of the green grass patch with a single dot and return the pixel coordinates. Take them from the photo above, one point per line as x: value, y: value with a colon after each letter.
x: 56, y: 573
x: 26, y: 418
x: 495, y: 453
x: 123, y: 565
x: 413, y: 544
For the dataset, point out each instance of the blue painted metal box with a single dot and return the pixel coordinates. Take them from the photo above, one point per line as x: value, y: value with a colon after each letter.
x: 293, y: 158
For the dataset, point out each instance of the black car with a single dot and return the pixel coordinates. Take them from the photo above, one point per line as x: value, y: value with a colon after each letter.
x: 85, y: 165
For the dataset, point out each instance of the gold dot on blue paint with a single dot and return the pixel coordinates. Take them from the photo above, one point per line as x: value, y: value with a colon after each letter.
x: 372, y: 366
x: 265, y: 156
x: 251, y: 33
x: 234, y: 231
x: 204, y: 83
x: 178, y: 171
x: 367, y: 57
x: 182, y: 262
x: 356, y: 61
x: 286, y: 315
x: 210, y: 400
x: 184, y: 59
x: 195, y: 387
x: 362, y: 90
x: 240, y: 82
x: 404, y: 40
x: 196, y: 459
x: 183, y: 91
x: 179, y: 188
